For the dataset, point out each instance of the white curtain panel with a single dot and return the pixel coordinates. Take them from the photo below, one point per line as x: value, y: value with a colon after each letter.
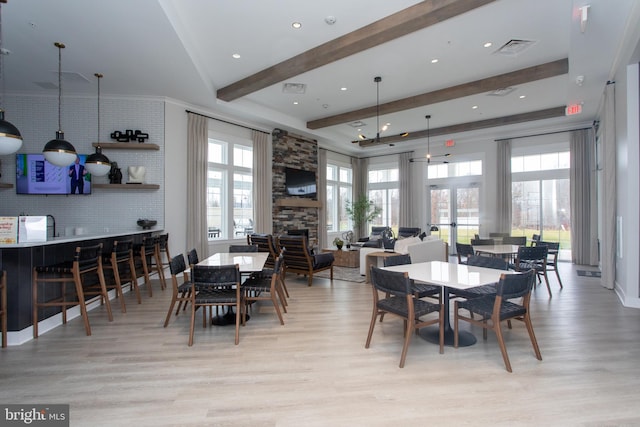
x: 584, y: 238
x: 608, y: 232
x: 197, y: 147
x: 503, y: 196
x: 262, y: 182
x: 360, y: 169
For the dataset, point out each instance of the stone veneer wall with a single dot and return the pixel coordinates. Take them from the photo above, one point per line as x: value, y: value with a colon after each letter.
x: 297, y: 152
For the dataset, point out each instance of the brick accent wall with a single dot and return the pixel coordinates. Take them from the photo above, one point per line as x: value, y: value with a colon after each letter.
x: 297, y: 152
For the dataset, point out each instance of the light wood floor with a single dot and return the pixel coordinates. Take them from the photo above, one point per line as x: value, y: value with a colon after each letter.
x: 315, y: 371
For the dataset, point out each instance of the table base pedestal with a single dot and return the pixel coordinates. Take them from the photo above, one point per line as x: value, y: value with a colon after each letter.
x: 432, y: 335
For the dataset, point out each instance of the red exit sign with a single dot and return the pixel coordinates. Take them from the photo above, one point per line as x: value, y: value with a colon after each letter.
x: 573, y: 109
x: 450, y: 143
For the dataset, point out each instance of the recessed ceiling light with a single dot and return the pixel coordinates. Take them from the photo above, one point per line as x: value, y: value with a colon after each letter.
x: 523, y: 96
x: 433, y: 61
x: 296, y: 25
x: 343, y: 88
x: 488, y: 44
x: 295, y: 102
x: 475, y: 107
x: 236, y: 55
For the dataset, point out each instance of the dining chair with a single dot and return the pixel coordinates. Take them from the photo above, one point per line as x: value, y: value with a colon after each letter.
x: 181, y: 288
x: 215, y: 286
x: 265, y: 288
x: 243, y: 248
x: 400, y: 301
x: 482, y: 242
x: 265, y: 244
x: 192, y: 257
x: 533, y: 257
x: 552, y: 257
x: 514, y: 240
x: 420, y: 289
x: 502, y: 306
x: 486, y: 262
x: 464, y: 250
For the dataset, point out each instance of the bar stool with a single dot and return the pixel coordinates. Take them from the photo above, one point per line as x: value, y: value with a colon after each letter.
x: 3, y: 307
x: 86, y: 260
x: 148, y: 257
x: 163, y: 250
x: 120, y: 262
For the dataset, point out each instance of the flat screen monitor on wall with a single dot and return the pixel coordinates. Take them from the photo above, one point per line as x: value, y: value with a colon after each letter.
x: 35, y: 175
x: 300, y: 182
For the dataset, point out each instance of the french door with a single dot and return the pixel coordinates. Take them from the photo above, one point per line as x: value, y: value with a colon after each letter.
x: 455, y: 211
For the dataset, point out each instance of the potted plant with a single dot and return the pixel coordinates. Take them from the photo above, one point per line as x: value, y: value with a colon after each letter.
x: 338, y: 242
x: 361, y: 211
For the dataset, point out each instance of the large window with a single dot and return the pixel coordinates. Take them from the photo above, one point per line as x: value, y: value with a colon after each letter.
x: 229, y: 189
x: 339, y: 191
x: 540, y: 197
x: 384, y: 191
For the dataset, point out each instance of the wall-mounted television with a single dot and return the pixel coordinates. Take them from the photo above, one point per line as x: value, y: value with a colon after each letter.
x: 35, y: 175
x: 300, y: 182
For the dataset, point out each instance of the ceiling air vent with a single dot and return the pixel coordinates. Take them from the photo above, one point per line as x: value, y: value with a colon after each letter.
x: 514, y: 47
x: 357, y: 124
x: 502, y: 91
x: 297, y: 88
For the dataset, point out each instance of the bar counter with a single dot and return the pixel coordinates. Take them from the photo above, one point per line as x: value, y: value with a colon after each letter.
x: 18, y: 261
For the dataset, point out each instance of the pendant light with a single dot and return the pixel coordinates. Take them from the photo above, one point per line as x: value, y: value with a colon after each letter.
x: 428, y: 157
x: 97, y: 163
x: 10, y: 138
x: 58, y: 151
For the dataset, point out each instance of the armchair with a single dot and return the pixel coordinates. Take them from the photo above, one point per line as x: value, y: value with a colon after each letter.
x: 299, y: 259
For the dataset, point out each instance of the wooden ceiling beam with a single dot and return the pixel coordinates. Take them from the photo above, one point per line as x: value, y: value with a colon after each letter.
x: 414, y: 18
x: 548, y: 113
x: 525, y: 75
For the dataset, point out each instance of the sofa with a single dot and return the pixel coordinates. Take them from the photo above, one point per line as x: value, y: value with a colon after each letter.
x: 429, y: 249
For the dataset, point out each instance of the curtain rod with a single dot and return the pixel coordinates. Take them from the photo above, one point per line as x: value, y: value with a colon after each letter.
x: 541, y: 134
x: 225, y: 121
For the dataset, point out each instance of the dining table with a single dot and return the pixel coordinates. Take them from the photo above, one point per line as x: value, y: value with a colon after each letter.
x: 497, y: 250
x: 248, y: 262
x: 450, y: 276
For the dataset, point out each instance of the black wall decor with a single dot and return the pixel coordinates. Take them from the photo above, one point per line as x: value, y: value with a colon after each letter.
x: 129, y: 135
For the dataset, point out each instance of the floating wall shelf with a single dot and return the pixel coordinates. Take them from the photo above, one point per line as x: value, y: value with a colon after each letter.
x: 3, y: 185
x: 299, y: 202
x: 126, y: 145
x: 128, y: 186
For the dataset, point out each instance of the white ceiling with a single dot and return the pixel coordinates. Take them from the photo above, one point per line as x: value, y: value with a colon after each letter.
x: 182, y: 49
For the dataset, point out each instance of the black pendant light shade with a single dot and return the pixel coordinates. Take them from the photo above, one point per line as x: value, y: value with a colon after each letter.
x: 58, y: 151
x: 97, y: 163
x: 10, y: 138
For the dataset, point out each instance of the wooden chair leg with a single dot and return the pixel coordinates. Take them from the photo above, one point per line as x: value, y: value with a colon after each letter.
x: 503, y: 348
x: 532, y: 336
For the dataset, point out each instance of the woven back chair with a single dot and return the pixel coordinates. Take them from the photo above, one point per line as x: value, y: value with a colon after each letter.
x: 493, y: 309
x: 266, y: 288
x: 180, y: 286
x: 400, y: 301
x: 464, y: 250
x: 215, y: 286
x: 533, y: 257
x: 552, y: 257
x: 420, y: 289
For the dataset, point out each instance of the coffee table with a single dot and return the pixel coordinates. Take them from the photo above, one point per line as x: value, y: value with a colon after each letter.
x: 345, y: 257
